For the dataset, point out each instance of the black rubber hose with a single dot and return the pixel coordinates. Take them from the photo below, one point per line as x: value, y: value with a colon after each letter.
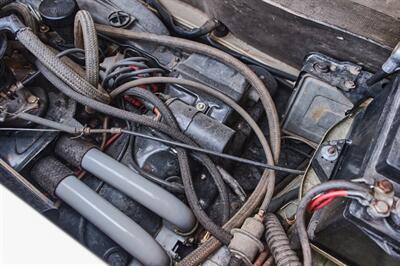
x: 173, y: 187
x: 302, y: 207
x: 167, y: 18
x: 205, y: 160
x: 193, y: 201
x: 278, y: 242
x: 278, y: 202
x: 378, y: 76
x: 135, y: 74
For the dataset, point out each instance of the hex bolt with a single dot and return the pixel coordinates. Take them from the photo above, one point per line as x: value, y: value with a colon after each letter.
x: 385, y: 185
x: 329, y: 153
x: 32, y: 99
x: 381, y: 207
x: 201, y: 106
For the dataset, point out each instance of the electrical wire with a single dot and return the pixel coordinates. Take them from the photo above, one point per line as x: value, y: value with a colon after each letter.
x: 131, y: 67
x: 66, y: 52
x: 169, y: 142
x: 322, y: 200
x: 308, y: 197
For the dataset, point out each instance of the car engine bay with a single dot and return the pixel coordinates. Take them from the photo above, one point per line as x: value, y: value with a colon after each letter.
x: 155, y: 140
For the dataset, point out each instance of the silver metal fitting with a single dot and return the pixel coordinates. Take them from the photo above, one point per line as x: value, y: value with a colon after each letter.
x: 246, y: 240
x: 201, y: 107
x: 329, y: 153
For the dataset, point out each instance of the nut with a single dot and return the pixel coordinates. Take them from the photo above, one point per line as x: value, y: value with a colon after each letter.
x: 381, y: 207
x: 329, y: 153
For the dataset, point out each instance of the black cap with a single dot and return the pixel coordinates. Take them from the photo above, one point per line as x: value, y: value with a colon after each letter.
x: 58, y: 13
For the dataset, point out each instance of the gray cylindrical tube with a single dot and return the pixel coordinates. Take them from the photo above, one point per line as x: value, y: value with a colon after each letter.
x: 111, y: 221
x: 140, y: 189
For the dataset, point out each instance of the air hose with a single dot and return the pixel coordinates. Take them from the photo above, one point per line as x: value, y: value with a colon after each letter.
x: 85, y: 37
x: 265, y: 187
x: 278, y: 242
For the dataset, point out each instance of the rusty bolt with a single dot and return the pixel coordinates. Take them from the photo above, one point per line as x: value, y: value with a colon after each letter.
x: 385, y: 185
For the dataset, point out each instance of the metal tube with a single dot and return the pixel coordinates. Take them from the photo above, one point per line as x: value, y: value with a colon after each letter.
x: 140, y: 189
x: 112, y: 222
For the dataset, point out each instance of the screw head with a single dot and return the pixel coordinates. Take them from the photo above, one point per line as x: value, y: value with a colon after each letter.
x: 201, y: 106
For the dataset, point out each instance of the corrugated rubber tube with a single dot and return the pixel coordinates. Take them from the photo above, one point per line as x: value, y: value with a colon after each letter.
x: 278, y: 242
x: 140, y: 189
x: 112, y: 222
x: 60, y: 69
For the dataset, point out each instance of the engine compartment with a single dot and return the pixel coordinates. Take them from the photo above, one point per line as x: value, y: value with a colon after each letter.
x: 152, y: 142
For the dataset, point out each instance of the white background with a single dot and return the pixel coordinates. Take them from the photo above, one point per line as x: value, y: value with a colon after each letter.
x: 27, y: 238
